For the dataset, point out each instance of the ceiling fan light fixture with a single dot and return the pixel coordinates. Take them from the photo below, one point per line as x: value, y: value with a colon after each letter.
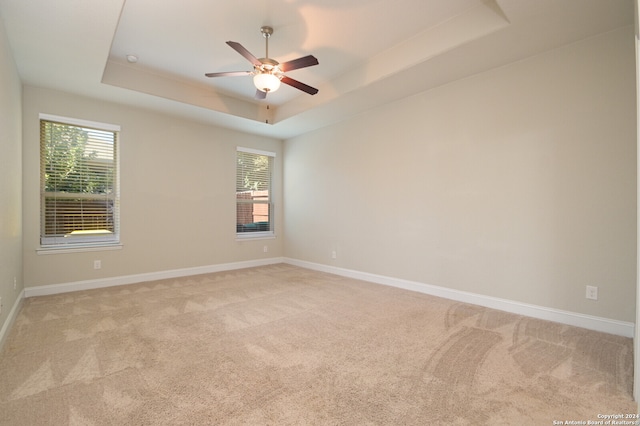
x: 269, y: 73
x: 266, y: 82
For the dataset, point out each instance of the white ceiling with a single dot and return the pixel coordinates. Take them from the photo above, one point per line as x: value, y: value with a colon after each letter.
x: 370, y: 51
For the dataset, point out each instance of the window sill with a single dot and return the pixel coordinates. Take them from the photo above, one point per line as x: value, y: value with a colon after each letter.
x: 251, y: 236
x: 79, y: 248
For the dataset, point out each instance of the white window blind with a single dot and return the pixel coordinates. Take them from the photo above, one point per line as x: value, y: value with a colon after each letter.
x: 254, y: 207
x: 79, y: 182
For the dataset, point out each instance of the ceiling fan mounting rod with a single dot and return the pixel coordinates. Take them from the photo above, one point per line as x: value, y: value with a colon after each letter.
x: 266, y: 33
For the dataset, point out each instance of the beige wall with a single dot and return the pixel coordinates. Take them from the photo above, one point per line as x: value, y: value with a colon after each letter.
x: 10, y: 179
x: 177, y: 193
x: 519, y: 183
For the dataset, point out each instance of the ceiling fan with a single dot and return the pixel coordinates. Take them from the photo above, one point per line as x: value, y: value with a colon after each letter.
x: 269, y: 73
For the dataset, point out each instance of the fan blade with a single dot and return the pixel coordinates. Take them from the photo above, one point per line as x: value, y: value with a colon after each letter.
x: 244, y: 52
x: 305, y: 61
x: 260, y: 94
x: 227, y: 74
x: 300, y: 86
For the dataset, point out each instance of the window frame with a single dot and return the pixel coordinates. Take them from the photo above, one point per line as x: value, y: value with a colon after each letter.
x: 82, y: 240
x: 270, y: 233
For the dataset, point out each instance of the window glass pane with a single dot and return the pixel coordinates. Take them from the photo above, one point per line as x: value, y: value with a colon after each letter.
x: 79, y: 194
x: 253, y: 192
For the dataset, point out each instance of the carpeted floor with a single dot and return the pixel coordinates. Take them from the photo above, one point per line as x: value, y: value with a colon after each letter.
x: 282, y: 345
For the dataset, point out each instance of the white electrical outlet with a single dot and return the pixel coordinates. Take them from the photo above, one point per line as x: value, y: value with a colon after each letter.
x: 97, y: 264
x: 15, y: 283
x: 334, y: 254
x: 265, y: 249
x: 592, y: 292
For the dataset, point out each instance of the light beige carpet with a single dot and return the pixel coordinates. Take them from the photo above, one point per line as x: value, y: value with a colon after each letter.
x: 281, y: 345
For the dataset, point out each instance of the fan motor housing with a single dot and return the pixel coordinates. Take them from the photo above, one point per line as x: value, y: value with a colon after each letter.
x: 268, y: 61
x: 268, y: 66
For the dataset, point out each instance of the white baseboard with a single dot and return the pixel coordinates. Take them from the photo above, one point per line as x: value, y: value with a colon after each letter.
x: 590, y: 322
x: 47, y: 290
x: 13, y: 314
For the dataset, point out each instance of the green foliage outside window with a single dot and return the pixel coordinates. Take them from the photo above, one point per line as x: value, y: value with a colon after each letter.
x: 252, y: 172
x: 71, y: 165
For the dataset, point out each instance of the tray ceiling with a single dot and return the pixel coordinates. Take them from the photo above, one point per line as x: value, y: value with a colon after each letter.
x: 371, y: 52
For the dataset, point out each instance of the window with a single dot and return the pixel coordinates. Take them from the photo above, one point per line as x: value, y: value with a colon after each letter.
x: 79, y: 200
x: 254, y: 207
